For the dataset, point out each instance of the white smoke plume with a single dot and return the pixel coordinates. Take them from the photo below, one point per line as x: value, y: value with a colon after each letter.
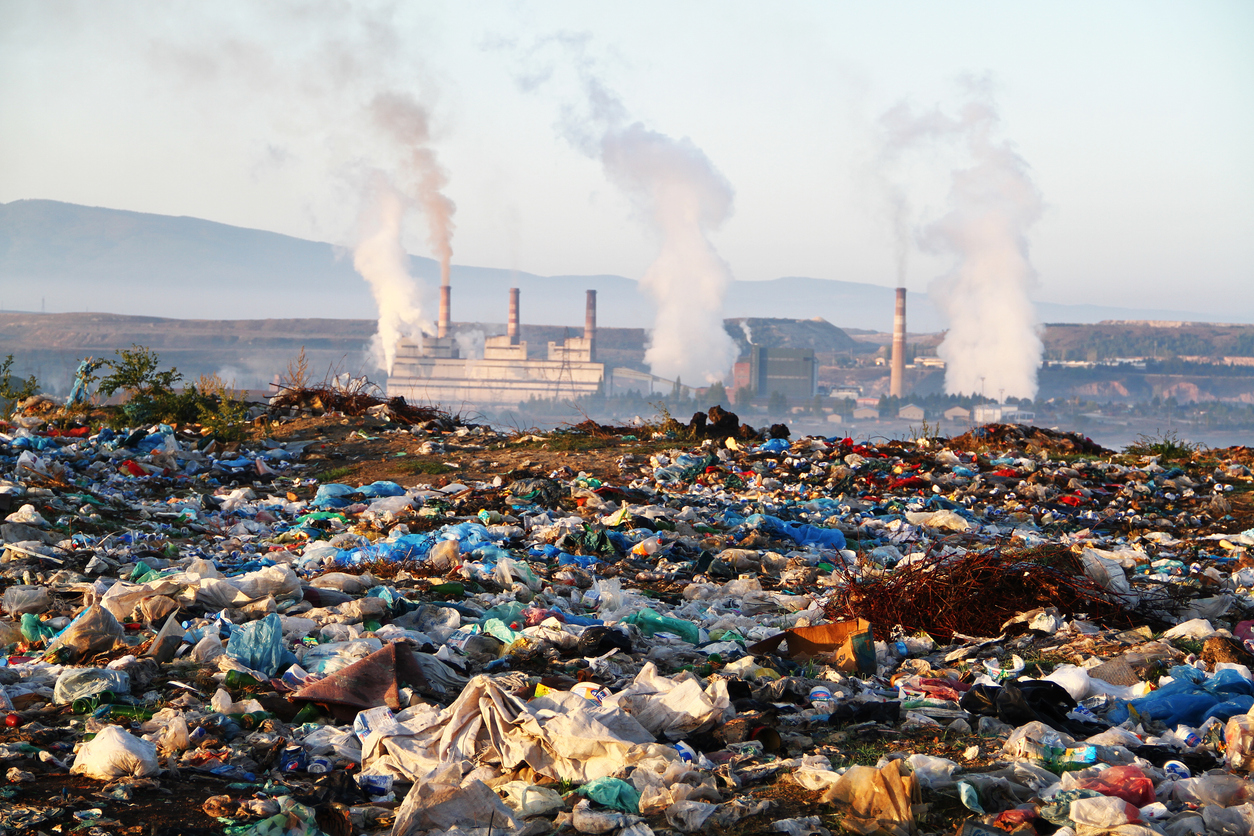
x: 408, y: 124
x: 684, y: 199
x: 382, y: 262
x: 340, y: 92
x: 678, y: 189
x: 379, y: 256
x: 470, y: 344
x: 993, y: 344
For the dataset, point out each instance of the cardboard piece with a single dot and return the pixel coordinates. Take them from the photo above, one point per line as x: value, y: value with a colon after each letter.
x: 846, y: 645
x: 368, y: 683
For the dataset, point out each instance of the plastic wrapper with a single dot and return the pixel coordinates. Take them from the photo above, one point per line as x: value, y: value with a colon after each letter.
x: 1239, y: 739
x: 77, y: 683
x: 114, y: 753
x: 259, y: 646
x: 614, y: 793
x: 528, y: 800
x: 23, y: 599
x: 1126, y: 782
x: 92, y: 631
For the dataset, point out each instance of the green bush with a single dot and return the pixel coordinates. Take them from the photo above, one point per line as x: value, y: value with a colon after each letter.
x: 14, y: 389
x: 149, y: 390
x: 220, y: 410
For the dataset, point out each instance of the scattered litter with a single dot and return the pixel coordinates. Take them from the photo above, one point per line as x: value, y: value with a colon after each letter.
x: 1039, y: 632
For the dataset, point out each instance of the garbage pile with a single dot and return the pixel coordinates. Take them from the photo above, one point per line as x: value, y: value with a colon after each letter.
x: 1015, y: 630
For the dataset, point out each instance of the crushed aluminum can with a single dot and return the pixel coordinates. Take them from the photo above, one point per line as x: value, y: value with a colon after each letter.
x: 292, y: 759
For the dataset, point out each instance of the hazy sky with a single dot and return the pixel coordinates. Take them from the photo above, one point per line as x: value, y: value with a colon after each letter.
x: 1136, y: 119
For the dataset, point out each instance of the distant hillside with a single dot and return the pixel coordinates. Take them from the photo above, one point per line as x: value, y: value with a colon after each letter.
x: 64, y: 257
x: 818, y: 334
x: 1105, y: 341
x: 251, y: 352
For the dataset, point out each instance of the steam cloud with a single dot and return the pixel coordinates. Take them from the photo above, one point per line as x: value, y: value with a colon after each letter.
x: 677, y: 187
x: 401, y: 116
x: 379, y: 256
x: 684, y: 198
x: 381, y: 261
x: 993, y: 343
x: 339, y: 89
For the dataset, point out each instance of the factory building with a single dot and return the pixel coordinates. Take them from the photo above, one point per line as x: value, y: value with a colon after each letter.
x: 430, y: 369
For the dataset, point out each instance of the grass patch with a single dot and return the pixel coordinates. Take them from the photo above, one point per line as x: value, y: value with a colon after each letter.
x: 1193, y: 646
x: 1041, y: 664
x: 1168, y: 446
x: 572, y: 443
x: 863, y: 751
x: 335, y: 473
x: 427, y: 468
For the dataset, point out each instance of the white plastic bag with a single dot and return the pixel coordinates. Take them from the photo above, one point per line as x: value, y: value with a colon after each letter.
x: 23, y: 599
x: 529, y: 800
x: 115, y: 753
x: 75, y: 683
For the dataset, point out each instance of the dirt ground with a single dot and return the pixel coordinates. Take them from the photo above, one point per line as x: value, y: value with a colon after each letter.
x: 359, y: 451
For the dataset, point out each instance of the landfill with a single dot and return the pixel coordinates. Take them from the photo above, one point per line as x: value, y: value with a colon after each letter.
x: 658, y: 628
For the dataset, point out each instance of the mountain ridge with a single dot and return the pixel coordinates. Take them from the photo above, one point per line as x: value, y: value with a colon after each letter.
x: 127, y: 262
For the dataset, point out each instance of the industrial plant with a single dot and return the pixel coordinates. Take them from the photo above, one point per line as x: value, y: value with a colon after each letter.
x: 432, y: 370
x: 444, y: 368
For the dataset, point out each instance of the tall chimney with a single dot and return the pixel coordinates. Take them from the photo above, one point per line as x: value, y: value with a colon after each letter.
x: 512, y: 327
x: 590, y: 325
x: 896, y: 380
x: 445, y: 292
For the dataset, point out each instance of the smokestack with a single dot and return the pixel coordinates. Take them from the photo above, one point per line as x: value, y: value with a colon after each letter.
x: 896, y: 380
x: 512, y: 327
x: 590, y: 325
x: 445, y: 293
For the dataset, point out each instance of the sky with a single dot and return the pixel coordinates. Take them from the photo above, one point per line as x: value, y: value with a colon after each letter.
x: 1135, y: 121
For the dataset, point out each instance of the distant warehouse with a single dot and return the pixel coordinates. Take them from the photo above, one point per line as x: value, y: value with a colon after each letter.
x: 792, y: 372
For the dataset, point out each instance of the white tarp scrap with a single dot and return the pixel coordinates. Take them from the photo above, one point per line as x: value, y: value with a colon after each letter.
x: 675, y: 707
x: 560, y: 735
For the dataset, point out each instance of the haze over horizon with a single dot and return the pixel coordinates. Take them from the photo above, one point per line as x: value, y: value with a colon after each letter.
x: 1126, y: 115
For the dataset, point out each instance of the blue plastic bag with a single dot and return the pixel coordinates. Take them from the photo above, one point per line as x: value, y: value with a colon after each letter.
x: 802, y: 534
x: 377, y: 490
x: 259, y: 646
x: 331, y: 495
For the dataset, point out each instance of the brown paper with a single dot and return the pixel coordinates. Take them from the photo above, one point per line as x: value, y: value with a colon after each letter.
x: 831, y: 643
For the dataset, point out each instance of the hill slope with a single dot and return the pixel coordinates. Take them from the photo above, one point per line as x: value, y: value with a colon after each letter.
x: 65, y: 257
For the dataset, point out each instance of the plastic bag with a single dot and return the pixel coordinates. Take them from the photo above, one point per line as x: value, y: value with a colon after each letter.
x: 1126, y: 782
x: 76, y: 683
x: 24, y: 599
x: 92, y: 631
x: 259, y: 646
x: 933, y: 773
x: 1239, y: 738
x: 612, y: 792
x: 207, y: 649
x: 115, y: 753
x: 1103, y: 813
x: 650, y: 623
x: 327, y: 739
x: 10, y: 633
x: 175, y: 735
x: 529, y: 800
x: 279, y: 581
x: 1220, y: 790
x: 34, y: 630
